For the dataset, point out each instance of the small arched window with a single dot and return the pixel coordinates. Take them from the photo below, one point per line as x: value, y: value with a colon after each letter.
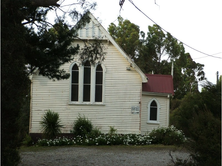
x: 99, y: 84
x: 75, y: 83
x: 153, y: 111
x: 87, y: 81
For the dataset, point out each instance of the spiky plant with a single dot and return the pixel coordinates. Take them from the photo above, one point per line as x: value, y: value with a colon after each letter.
x: 51, y: 124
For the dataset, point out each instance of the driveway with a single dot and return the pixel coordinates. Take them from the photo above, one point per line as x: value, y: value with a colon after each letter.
x: 101, y: 156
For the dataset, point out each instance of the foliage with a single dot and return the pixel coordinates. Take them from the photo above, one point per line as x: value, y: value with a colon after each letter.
x: 51, y: 124
x: 95, y: 132
x: 112, y: 130
x: 159, y: 51
x: 86, y: 134
x: 103, y: 139
x: 93, y: 51
x: 126, y: 34
x: 156, y: 52
x: 82, y: 126
x: 205, y: 139
x: 27, y: 140
x: 187, y: 74
x: 23, y: 119
x: 10, y: 156
x: 209, y: 99
x: 30, y: 42
x: 167, y: 136
x: 198, y: 116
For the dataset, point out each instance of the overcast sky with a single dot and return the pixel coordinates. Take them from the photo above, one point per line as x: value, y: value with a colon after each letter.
x: 197, y: 23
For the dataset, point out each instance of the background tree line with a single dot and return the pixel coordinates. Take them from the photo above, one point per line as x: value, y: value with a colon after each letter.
x: 155, y: 52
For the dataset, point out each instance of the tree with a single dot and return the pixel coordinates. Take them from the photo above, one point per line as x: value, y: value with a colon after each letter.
x: 156, y: 53
x: 30, y: 42
x: 158, y: 50
x: 198, y: 115
x: 187, y: 74
x: 126, y: 34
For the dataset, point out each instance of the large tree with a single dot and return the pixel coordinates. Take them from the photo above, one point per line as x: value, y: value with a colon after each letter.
x: 30, y: 42
x: 157, y: 49
x: 126, y: 34
x: 156, y: 52
x: 160, y: 51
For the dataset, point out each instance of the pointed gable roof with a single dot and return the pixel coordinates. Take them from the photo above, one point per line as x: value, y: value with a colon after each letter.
x: 94, y: 29
x: 159, y: 84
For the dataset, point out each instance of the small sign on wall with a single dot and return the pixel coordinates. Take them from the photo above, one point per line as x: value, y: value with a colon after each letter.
x: 135, y: 109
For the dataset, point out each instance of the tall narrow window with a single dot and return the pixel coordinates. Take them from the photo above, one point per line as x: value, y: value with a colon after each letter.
x: 86, y: 81
x: 153, y: 111
x: 75, y: 83
x: 99, y: 84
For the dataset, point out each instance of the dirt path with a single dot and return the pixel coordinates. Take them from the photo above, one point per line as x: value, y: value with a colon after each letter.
x: 100, y: 156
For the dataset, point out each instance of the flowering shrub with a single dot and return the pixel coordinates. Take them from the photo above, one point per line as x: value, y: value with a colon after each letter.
x: 103, y: 139
x: 167, y: 136
x: 164, y: 135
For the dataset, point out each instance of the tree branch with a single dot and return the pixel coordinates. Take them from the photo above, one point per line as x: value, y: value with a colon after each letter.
x: 44, y: 3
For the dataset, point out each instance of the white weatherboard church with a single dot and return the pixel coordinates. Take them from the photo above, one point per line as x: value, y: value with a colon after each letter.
x: 114, y: 92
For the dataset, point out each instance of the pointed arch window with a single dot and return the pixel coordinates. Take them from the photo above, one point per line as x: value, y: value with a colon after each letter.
x: 87, y: 82
x: 153, y: 111
x: 99, y: 84
x: 75, y: 83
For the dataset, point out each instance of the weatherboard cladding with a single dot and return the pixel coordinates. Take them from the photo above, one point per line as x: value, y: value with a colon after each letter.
x: 163, y: 113
x: 122, y: 91
x: 94, y: 30
x: 159, y: 84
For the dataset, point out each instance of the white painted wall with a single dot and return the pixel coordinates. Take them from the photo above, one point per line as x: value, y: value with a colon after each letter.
x: 163, y: 112
x: 122, y: 90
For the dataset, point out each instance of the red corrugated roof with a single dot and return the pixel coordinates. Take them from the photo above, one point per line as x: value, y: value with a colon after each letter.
x: 159, y: 84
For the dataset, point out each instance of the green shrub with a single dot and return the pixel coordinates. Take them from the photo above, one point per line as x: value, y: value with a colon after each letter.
x: 167, y: 136
x: 94, y: 133
x: 82, y: 127
x: 102, y: 139
x: 205, y: 139
x: 51, y: 124
x: 27, y: 140
x: 112, y: 130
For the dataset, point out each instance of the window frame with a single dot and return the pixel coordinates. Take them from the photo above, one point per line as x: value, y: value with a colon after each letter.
x: 102, y: 84
x: 73, y: 83
x: 83, y: 86
x: 158, y: 110
x: 92, y: 85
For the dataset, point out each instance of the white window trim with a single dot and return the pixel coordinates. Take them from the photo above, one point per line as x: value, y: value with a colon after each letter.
x: 158, y: 112
x: 92, y: 86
